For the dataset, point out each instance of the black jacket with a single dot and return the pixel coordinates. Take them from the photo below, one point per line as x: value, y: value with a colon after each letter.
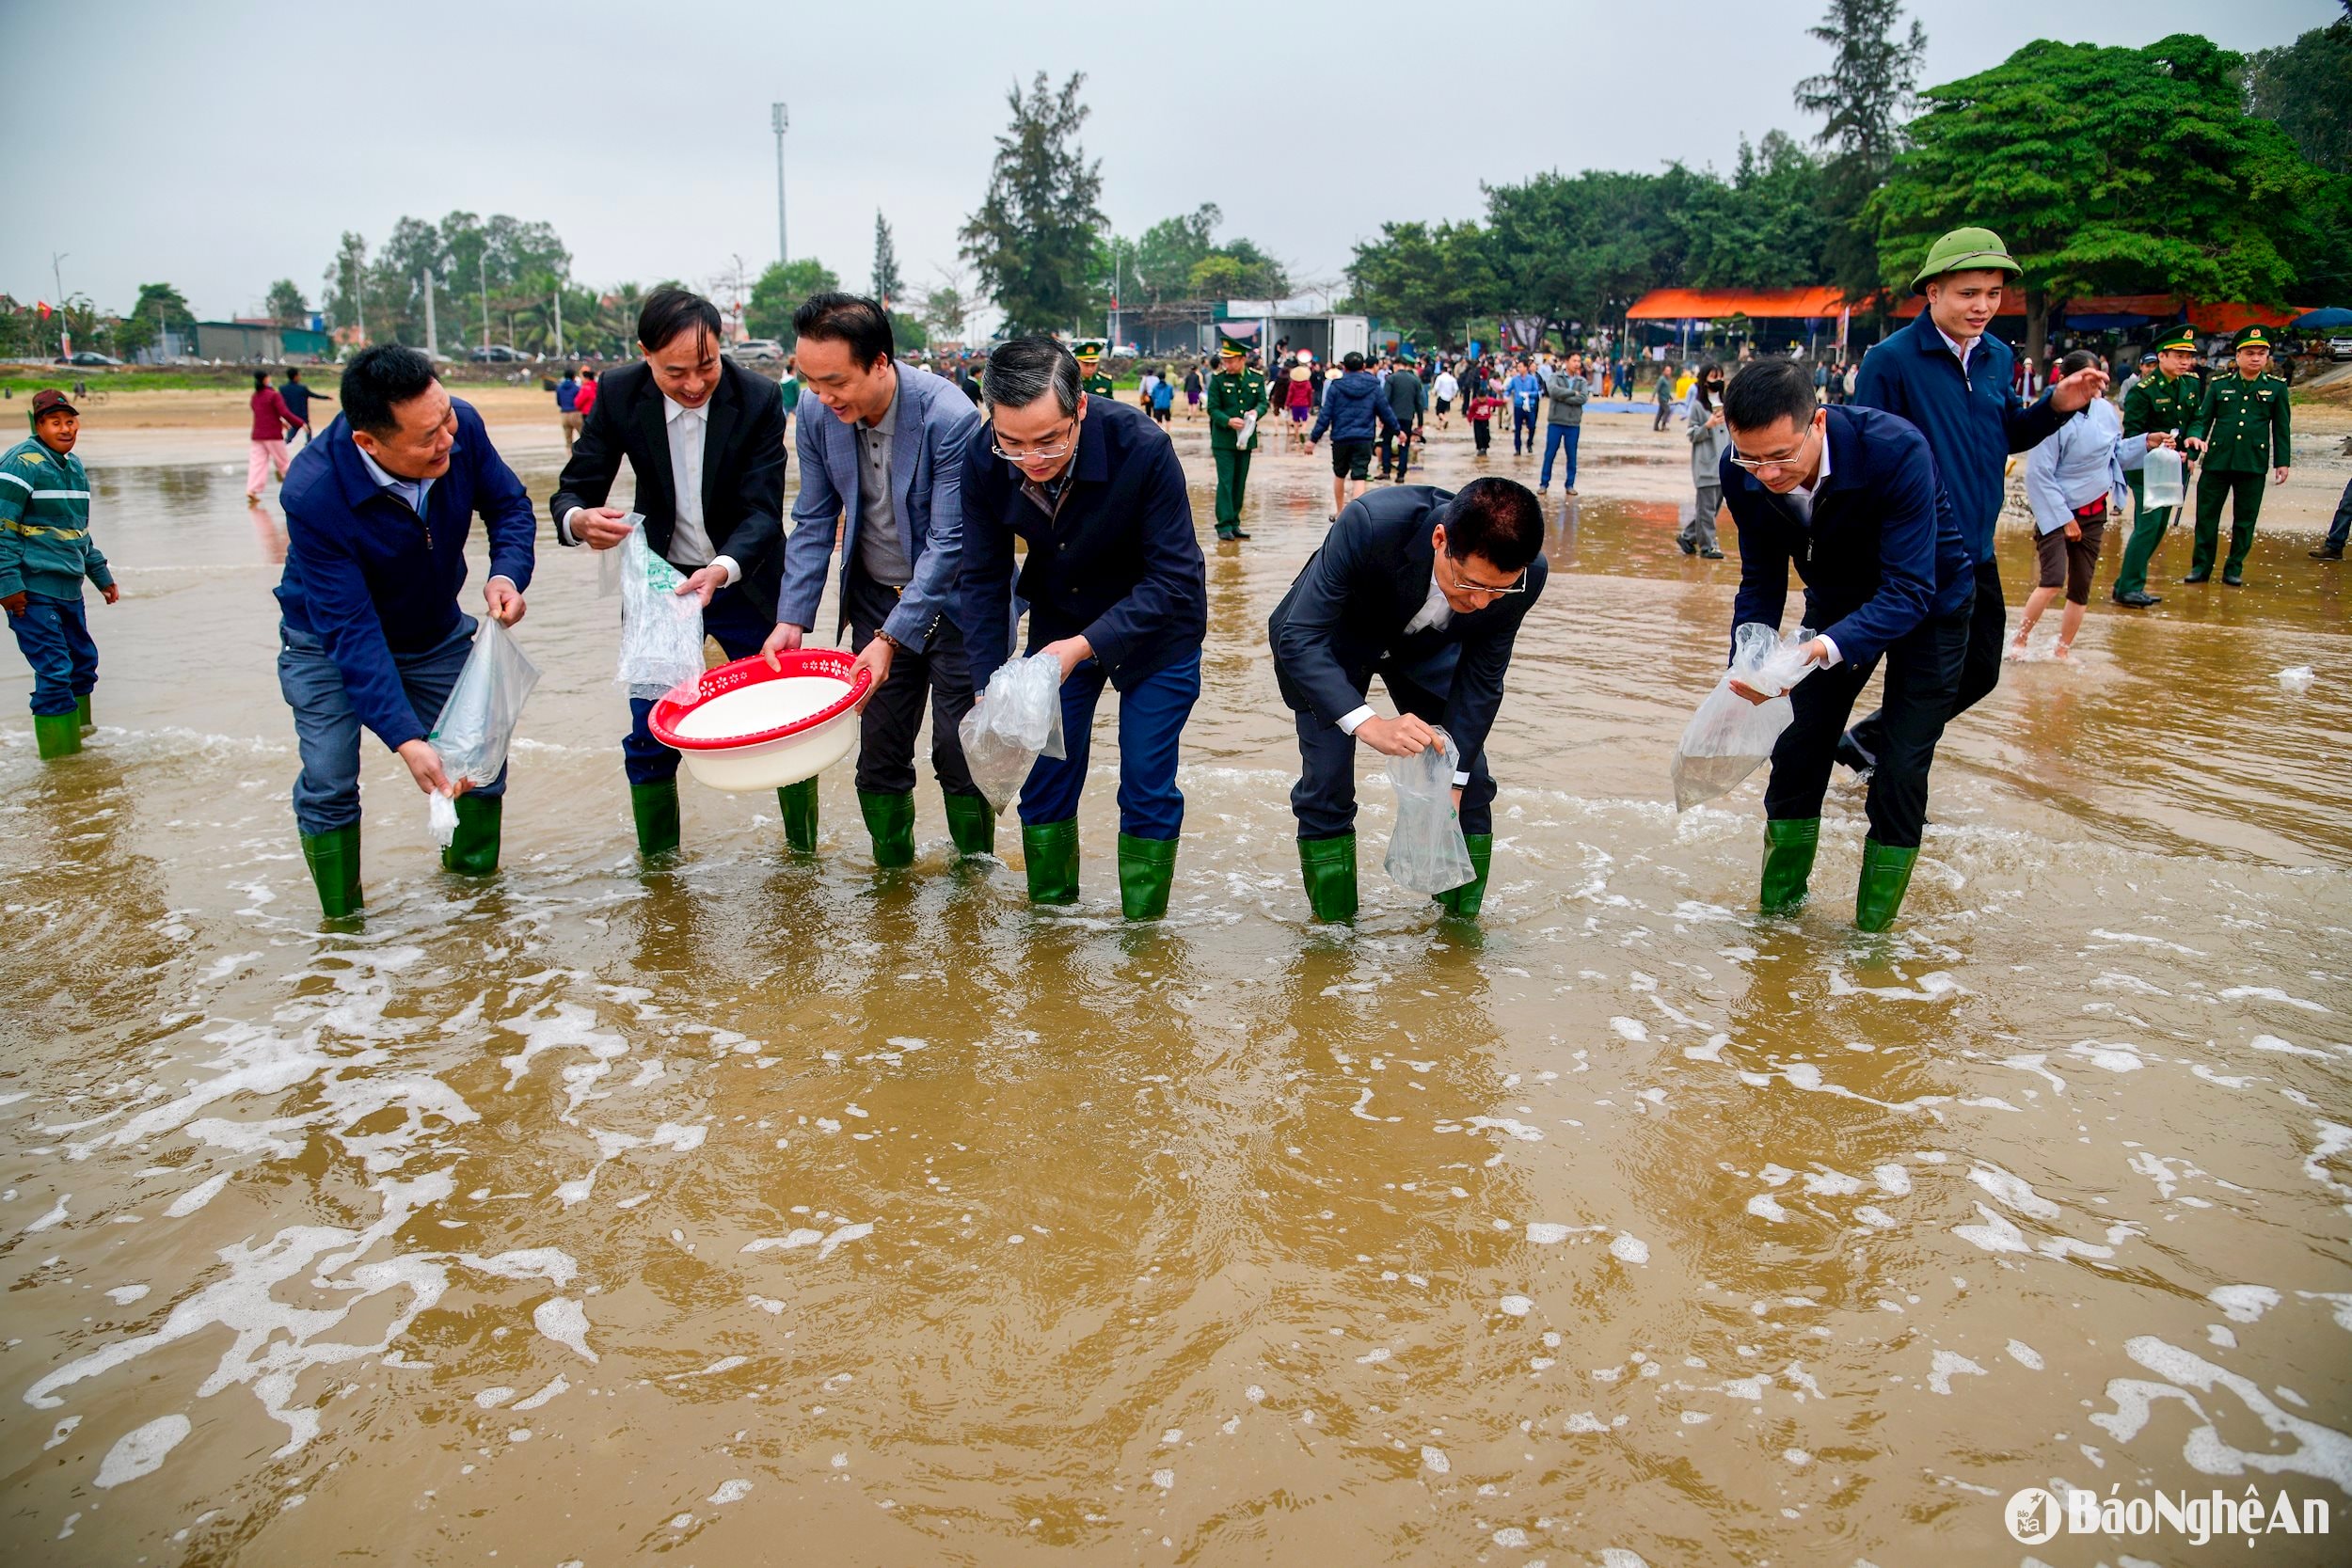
x: 742, y: 469
x: 1118, y: 561
x: 1346, y: 616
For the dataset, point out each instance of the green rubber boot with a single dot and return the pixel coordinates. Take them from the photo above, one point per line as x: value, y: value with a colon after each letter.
x: 82, y: 709
x: 1885, y: 878
x: 798, y: 802
x: 1146, y: 867
x: 1789, y: 847
x: 890, y: 818
x: 333, y: 857
x: 57, y: 735
x: 473, y: 849
x: 1052, y: 851
x: 1328, y: 867
x: 655, y: 806
x: 972, y: 823
x: 1467, y: 899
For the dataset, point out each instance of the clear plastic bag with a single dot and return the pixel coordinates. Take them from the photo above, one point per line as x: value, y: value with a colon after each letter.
x: 2160, y: 479
x: 1017, y: 720
x: 662, y: 630
x: 477, y: 723
x: 1428, y: 852
x: 1730, y: 737
x: 609, y: 561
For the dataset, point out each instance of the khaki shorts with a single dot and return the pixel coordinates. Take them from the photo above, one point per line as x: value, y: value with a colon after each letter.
x: 571, y: 422
x: 2068, y: 563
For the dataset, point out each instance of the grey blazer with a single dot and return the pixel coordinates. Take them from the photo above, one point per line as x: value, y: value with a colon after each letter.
x: 934, y: 421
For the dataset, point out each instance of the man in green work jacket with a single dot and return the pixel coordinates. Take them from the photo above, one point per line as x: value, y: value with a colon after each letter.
x: 1094, y: 380
x: 1236, y: 403
x: 2241, y: 432
x: 2165, y: 399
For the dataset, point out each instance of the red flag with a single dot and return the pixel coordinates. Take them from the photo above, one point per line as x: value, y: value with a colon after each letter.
x: 41, y: 305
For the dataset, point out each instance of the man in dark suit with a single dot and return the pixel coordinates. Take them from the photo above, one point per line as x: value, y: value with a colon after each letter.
x: 1117, y: 592
x: 1426, y: 590
x: 1849, y: 497
x: 704, y: 439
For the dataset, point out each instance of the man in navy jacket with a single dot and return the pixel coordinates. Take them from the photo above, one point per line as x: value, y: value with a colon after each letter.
x: 1426, y: 590
x: 1849, y: 497
x: 378, y: 512
x: 1116, y: 590
x: 1947, y: 374
x: 1355, y: 412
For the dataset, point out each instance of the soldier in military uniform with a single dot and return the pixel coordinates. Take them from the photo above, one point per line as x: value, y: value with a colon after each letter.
x: 2241, y: 432
x: 1092, y: 379
x: 2165, y: 399
x: 1236, y: 399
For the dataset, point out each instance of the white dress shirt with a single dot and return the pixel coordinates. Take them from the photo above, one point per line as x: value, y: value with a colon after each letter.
x: 689, y: 539
x: 1802, y: 499
x: 1964, y: 350
x: 1434, y: 615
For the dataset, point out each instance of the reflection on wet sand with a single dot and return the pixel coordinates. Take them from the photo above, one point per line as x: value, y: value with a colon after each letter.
x: 602, y: 1211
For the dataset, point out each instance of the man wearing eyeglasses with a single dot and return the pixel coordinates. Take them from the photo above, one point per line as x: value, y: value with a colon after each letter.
x: 1849, y: 497
x: 1427, y: 590
x: 1117, y: 592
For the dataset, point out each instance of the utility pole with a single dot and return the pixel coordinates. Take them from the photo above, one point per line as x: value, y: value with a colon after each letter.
x: 432, y: 341
x: 56, y: 273
x: 482, y: 263
x: 781, y: 117
x: 559, y: 321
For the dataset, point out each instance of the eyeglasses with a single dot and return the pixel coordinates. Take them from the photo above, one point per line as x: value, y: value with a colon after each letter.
x: 1518, y: 586
x: 1068, y: 441
x: 1788, y: 460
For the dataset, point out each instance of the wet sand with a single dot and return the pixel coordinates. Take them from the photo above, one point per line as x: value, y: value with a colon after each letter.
x: 770, y: 1207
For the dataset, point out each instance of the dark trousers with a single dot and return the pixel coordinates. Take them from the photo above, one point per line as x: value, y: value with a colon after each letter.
x: 1482, y: 431
x: 1980, y: 664
x: 1396, y: 452
x: 1560, y: 438
x: 1923, y: 676
x: 2148, y: 526
x: 1232, y: 479
x: 1324, y: 799
x: 893, y: 715
x: 2340, y: 530
x: 54, y: 635
x: 2245, y: 492
x: 1665, y: 412
x: 1152, y: 715
x: 740, y: 629
x: 1523, y: 425
x: 326, y: 727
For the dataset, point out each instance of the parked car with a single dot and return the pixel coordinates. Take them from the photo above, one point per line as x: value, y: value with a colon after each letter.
x: 495, y: 354
x: 2340, y: 348
x: 88, y: 357
x: 757, y: 351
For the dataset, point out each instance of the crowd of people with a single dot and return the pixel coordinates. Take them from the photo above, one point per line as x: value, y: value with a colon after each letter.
x: 1877, y: 486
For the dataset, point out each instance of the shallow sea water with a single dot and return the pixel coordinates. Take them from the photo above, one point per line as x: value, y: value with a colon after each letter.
x: 763, y: 1207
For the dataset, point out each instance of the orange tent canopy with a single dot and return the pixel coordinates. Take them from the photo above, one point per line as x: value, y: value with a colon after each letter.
x: 1766, y: 304
x: 2230, y: 318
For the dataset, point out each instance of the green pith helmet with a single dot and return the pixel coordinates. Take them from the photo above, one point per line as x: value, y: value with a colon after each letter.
x: 1964, y: 250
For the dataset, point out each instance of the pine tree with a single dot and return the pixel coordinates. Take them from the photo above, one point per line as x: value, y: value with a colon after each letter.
x: 888, y: 285
x: 1863, y: 99
x: 1033, y: 238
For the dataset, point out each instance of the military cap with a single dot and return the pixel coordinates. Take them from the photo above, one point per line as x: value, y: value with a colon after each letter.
x: 2254, y: 336
x: 2181, y: 338
x: 1086, y: 350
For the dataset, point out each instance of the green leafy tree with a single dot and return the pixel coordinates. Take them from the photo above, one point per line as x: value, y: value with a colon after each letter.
x: 888, y: 284
x: 2107, y: 170
x: 1032, y: 240
x: 779, y: 292
x: 1583, y: 249
x: 2307, y: 88
x: 1863, y: 99
x: 1428, y: 282
x: 1170, y: 248
x: 285, y: 305
x: 161, y: 308
x: 908, y: 332
x: 1767, y: 228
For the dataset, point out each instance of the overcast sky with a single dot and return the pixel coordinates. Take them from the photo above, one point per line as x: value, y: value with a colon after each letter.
x: 220, y: 146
